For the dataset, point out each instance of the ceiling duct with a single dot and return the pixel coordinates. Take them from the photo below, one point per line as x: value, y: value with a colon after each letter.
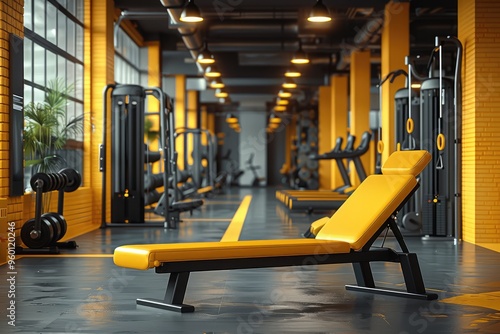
x: 366, y: 35
x: 190, y: 35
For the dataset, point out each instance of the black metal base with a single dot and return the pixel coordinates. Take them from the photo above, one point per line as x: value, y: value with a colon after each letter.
x: 158, y: 303
x: 390, y: 292
x: 35, y: 251
x: 51, y: 249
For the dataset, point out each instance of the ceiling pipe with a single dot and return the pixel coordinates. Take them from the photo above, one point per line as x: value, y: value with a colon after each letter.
x: 372, y: 29
x: 190, y: 35
x: 125, y: 14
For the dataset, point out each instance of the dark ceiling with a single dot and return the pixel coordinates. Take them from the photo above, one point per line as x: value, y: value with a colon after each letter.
x: 254, y: 40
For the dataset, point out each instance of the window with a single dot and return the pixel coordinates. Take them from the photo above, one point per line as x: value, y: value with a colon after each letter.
x: 126, y: 60
x: 53, y: 55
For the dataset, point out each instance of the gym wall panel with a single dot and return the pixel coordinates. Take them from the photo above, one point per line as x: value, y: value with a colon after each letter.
x: 479, y: 32
x: 11, y: 19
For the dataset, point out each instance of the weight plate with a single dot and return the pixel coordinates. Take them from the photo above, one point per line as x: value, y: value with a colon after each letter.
x: 53, y: 180
x: 56, y: 227
x: 61, y: 181
x: 44, y: 238
x: 301, y: 160
x: 44, y: 178
x: 57, y: 181
x: 61, y: 222
x: 74, y: 179
x: 64, y: 179
x: 304, y: 174
x: 312, y: 164
x: 304, y: 148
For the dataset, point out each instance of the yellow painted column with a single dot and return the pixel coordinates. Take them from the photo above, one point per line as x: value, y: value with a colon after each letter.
x: 324, y: 136
x: 99, y: 72
x: 338, y: 121
x: 191, y: 122
x: 360, y: 104
x: 204, y: 117
x: 479, y: 33
x: 395, y: 47
x: 180, y: 116
x: 154, y: 80
x: 211, y: 122
x: 204, y: 122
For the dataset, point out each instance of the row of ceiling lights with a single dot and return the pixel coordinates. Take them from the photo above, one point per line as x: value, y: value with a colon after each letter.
x: 192, y: 14
x: 319, y: 13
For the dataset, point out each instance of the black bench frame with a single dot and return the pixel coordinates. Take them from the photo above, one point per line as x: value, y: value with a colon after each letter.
x: 415, y: 288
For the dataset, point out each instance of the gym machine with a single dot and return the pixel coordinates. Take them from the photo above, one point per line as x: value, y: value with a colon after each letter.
x: 203, y: 177
x: 128, y: 157
x: 441, y: 111
x: 42, y: 233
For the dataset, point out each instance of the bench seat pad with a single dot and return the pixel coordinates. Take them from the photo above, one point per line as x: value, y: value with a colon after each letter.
x: 143, y: 257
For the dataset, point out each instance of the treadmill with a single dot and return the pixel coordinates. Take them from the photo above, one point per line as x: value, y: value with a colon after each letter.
x: 330, y: 200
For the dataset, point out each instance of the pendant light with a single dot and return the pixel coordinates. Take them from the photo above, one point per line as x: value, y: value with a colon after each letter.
x: 289, y: 83
x: 300, y: 57
x: 191, y: 13
x: 217, y: 83
x: 212, y: 72
x: 292, y: 72
x: 319, y: 13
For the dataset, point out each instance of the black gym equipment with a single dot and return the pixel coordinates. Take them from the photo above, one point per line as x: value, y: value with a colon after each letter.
x: 42, y: 234
x: 441, y: 110
x: 128, y: 157
x: 231, y: 167
x: 256, y: 179
x: 203, y: 177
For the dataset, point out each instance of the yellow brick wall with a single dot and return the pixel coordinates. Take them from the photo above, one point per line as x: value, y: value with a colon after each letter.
x: 99, y: 72
x: 479, y: 31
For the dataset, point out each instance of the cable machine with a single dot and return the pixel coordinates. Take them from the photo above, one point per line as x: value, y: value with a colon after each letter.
x: 127, y: 152
x: 441, y: 135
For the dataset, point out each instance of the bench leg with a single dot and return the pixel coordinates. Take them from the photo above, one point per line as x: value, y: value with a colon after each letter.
x: 411, y: 271
x: 412, y: 275
x: 174, y: 296
x: 363, y: 274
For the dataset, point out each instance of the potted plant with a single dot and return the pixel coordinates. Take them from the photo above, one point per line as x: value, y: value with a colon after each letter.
x: 46, y: 129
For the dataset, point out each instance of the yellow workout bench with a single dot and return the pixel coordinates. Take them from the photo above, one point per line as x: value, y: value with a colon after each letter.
x: 346, y: 237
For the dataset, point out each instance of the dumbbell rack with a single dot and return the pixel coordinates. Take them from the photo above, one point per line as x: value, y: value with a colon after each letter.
x: 41, y: 234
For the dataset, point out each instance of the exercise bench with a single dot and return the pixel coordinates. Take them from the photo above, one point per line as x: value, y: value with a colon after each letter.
x: 346, y: 237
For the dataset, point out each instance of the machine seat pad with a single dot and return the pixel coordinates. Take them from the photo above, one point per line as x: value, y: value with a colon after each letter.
x: 143, y: 257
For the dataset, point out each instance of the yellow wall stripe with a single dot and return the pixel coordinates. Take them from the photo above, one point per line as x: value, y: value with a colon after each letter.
x: 233, y: 231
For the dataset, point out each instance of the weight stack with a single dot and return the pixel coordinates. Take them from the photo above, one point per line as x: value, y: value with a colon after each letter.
x: 127, y: 154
